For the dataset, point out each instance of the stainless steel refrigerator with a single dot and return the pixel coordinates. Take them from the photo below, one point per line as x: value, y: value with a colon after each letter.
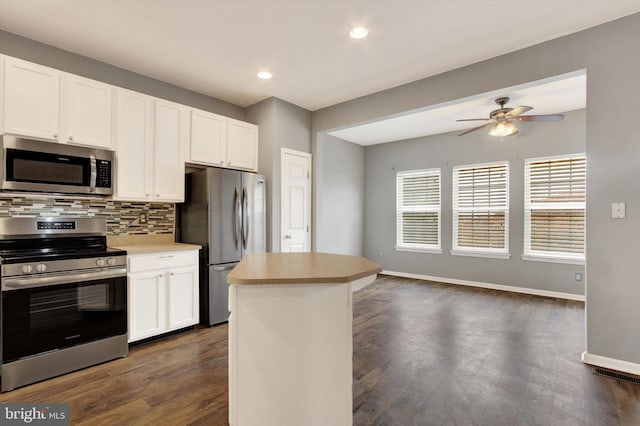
x: 224, y: 212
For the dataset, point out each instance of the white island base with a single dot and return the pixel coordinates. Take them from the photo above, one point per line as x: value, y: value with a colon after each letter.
x: 290, y: 351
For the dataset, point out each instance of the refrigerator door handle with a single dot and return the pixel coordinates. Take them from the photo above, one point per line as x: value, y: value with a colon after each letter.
x: 236, y: 208
x: 245, y: 217
x: 224, y: 268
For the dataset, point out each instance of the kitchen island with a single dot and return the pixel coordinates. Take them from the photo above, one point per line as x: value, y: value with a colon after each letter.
x: 290, y: 337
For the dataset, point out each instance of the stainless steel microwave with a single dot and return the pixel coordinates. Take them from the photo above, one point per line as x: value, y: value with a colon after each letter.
x: 36, y: 166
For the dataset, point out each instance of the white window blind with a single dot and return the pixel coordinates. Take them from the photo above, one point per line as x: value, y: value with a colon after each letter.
x: 555, y: 195
x: 418, y: 209
x: 481, y: 209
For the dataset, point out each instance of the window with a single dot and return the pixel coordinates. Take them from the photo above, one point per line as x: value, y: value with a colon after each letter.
x: 554, y: 206
x: 418, y: 210
x: 481, y: 210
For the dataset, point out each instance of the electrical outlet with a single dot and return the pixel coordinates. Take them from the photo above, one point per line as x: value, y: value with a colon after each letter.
x: 142, y: 218
x: 380, y: 254
x: 578, y: 276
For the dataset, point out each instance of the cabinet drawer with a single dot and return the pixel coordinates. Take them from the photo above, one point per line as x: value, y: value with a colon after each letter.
x: 164, y: 260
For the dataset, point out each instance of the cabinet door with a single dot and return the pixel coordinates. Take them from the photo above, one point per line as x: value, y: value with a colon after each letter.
x: 31, y: 104
x: 133, y: 147
x: 208, y: 138
x: 170, y: 136
x: 183, y: 297
x: 147, y: 305
x: 242, y: 145
x: 86, y: 112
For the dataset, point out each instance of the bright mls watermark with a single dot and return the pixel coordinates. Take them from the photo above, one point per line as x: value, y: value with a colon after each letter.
x: 34, y: 414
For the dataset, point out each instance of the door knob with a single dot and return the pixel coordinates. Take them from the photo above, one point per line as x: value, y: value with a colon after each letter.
x: 287, y: 237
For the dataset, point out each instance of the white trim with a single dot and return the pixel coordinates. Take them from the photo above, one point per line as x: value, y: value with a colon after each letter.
x: 481, y: 165
x: 612, y: 363
x: 433, y: 250
x: 523, y: 290
x: 553, y: 259
x: 573, y: 156
x: 479, y: 253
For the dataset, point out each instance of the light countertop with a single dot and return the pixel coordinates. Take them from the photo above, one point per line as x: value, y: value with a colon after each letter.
x: 301, y: 268
x: 156, y: 248
x: 142, y: 244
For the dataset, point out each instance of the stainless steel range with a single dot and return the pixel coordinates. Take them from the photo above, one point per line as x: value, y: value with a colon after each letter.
x: 64, y: 298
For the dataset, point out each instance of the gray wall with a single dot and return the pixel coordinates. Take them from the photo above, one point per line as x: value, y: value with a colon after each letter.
x: 33, y: 51
x: 282, y: 125
x: 446, y: 151
x: 611, y: 55
x: 340, y: 187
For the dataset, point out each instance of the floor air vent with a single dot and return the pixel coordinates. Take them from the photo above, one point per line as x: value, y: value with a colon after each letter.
x: 618, y: 376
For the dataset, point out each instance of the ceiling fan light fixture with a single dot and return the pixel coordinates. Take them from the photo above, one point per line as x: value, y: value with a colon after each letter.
x: 358, y: 32
x: 503, y: 129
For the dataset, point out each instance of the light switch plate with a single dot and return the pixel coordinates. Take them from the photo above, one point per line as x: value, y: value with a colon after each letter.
x: 618, y: 210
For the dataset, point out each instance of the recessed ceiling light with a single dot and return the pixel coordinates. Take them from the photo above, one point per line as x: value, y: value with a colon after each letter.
x: 358, y: 32
x: 265, y: 75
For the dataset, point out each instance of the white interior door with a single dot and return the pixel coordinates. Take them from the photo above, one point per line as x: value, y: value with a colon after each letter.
x: 295, y: 209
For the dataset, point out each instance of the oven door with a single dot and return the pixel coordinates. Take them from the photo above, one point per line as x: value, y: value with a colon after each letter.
x: 37, y: 319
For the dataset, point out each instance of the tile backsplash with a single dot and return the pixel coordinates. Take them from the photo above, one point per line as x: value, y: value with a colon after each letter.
x: 121, y: 216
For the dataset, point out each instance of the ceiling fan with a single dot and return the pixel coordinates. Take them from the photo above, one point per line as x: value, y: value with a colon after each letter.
x: 503, y: 118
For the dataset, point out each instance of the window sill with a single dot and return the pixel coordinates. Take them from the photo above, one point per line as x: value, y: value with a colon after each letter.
x: 419, y: 250
x: 553, y: 259
x: 487, y: 254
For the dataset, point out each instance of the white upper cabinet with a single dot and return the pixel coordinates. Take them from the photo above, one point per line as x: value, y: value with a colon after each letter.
x: 223, y: 142
x: 152, y: 138
x: 171, y: 132
x: 242, y: 145
x: 133, y: 146
x: 208, y: 138
x: 45, y: 103
x: 31, y: 100
x: 86, y: 112
x: 151, y: 135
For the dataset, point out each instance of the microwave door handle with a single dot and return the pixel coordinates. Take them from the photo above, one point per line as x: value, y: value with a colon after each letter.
x: 94, y: 173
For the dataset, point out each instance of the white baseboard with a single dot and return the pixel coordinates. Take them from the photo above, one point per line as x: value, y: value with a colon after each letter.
x: 612, y: 363
x: 524, y: 290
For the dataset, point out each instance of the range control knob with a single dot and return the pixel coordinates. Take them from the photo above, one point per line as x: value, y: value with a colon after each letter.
x: 111, y: 261
x: 100, y: 262
x: 27, y: 269
x: 41, y: 267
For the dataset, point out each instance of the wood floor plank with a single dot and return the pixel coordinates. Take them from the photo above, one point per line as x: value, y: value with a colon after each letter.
x: 424, y: 354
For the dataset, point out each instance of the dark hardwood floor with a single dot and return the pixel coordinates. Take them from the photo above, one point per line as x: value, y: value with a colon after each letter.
x: 424, y: 354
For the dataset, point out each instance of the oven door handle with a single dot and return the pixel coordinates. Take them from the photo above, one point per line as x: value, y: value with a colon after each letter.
x: 19, y: 283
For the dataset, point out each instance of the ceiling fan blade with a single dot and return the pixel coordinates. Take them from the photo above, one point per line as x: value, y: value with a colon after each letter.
x: 473, y: 119
x: 476, y: 128
x: 548, y: 117
x: 519, y: 110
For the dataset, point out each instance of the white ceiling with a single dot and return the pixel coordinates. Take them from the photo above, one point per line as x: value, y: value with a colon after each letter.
x: 217, y: 47
x: 550, y: 96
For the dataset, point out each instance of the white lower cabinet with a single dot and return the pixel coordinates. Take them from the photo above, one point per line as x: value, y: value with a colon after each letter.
x: 163, y: 293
